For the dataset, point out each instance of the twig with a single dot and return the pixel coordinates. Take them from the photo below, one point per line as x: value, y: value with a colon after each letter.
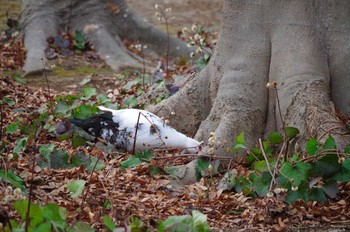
x: 30, y: 197
x: 47, y: 82
x: 266, y: 160
x: 198, y: 155
x: 88, y: 186
x: 1, y: 120
x: 276, y: 166
x: 135, y: 137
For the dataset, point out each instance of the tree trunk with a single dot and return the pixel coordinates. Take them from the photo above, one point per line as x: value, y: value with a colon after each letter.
x: 303, y: 45
x: 105, y: 23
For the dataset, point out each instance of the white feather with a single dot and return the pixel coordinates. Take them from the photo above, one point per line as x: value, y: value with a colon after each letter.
x: 152, y: 132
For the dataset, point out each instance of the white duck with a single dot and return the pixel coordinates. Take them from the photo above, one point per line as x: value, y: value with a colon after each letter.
x: 118, y: 128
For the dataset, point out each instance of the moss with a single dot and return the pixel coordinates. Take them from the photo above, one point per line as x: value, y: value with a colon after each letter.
x: 77, y: 71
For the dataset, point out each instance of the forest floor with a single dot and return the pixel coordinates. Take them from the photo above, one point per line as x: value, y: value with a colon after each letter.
x: 135, y: 191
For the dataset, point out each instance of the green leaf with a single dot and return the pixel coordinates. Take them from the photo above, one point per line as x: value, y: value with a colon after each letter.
x: 18, y: 79
x: 275, y: 138
x: 85, y: 81
x: 21, y: 144
x: 344, y: 174
x: 300, y: 194
x: 199, y: 221
x: 76, y: 187
x: 62, y: 107
x: 131, y: 101
x: 132, y: 161
x: 291, y: 132
x: 83, y: 111
x: 331, y: 188
x: 10, y: 177
x: 56, y: 214
x: 35, y: 212
x: 145, y: 155
x: 261, y: 166
x: 312, y: 146
x: 9, y: 101
x: 80, y: 226
x: 240, y: 138
x: 46, y: 151
x: 137, y: 225
x: 88, y: 92
x: 108, y: 223
x: 201, y: 167
x: 12, y: 128
x: 228, y: 181
x: 347, y: 149
x: 103, y: 99
x: 296, y: 174
x: 78, y: 141
x: 317, y: 194
x: 329, y: 143
x: 243, y: 185
x: 99, y: 166
x: 261, y: 183
x: 326, y: 166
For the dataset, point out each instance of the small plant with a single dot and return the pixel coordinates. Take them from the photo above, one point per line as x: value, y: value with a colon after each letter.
x: 309, y: 175
x: 198, y: 37
x: 164, y: 15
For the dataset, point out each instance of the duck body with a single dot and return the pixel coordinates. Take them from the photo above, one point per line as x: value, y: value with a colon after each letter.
x: 119, y: 127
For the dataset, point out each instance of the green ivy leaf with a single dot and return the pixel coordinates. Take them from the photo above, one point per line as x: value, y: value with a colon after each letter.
x: 228, y: 181
x: 46, y: 150
x: 99, y: 166
x: 296, y: 174
x: 291, y: 132
x: 199, y: 222
x: 76, y: 187
x: 83, y: 111
x: 103, y: 99
x: 35, y: 212
x: 261, y: 183
x: 326, y: 166
x: 261, y: 166
x: 62, y: 107
x: 329, y: 143
x: 10, y: 177
x: 132, y: 161
x: 78, y: 141
x: 275, y: 138
x: 347, y: 149
x: 80, y: 226
x: 312, y: 146
x: 201, y: 167
x: 240, y: 138
x: 108, y: 223
x: 21, y: 144
x: 9, y: 101
x: 88, y: 93
x: 56, y: 214
x: 131, y: 101
x: 344, y: 174
x: 12, y: 128
x: 317, y: 194
x: 300, y: 194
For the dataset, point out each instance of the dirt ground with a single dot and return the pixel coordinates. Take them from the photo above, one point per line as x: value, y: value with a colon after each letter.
x: 186, y: 12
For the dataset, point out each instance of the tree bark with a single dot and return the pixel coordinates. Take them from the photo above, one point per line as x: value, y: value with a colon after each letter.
x: 303, y: 45
x: 105, y: 23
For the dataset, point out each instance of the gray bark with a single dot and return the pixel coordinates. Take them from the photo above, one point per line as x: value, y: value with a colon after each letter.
x: 303, y: 45
x: 105, y: 23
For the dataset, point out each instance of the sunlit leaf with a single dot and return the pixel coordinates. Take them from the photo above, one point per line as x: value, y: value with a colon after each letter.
x: 76, y: 187
x: 10, y: 177
x: 132, y: 161
x: 88, y: 92
x: 108, y: 223
x: 228, y: 181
